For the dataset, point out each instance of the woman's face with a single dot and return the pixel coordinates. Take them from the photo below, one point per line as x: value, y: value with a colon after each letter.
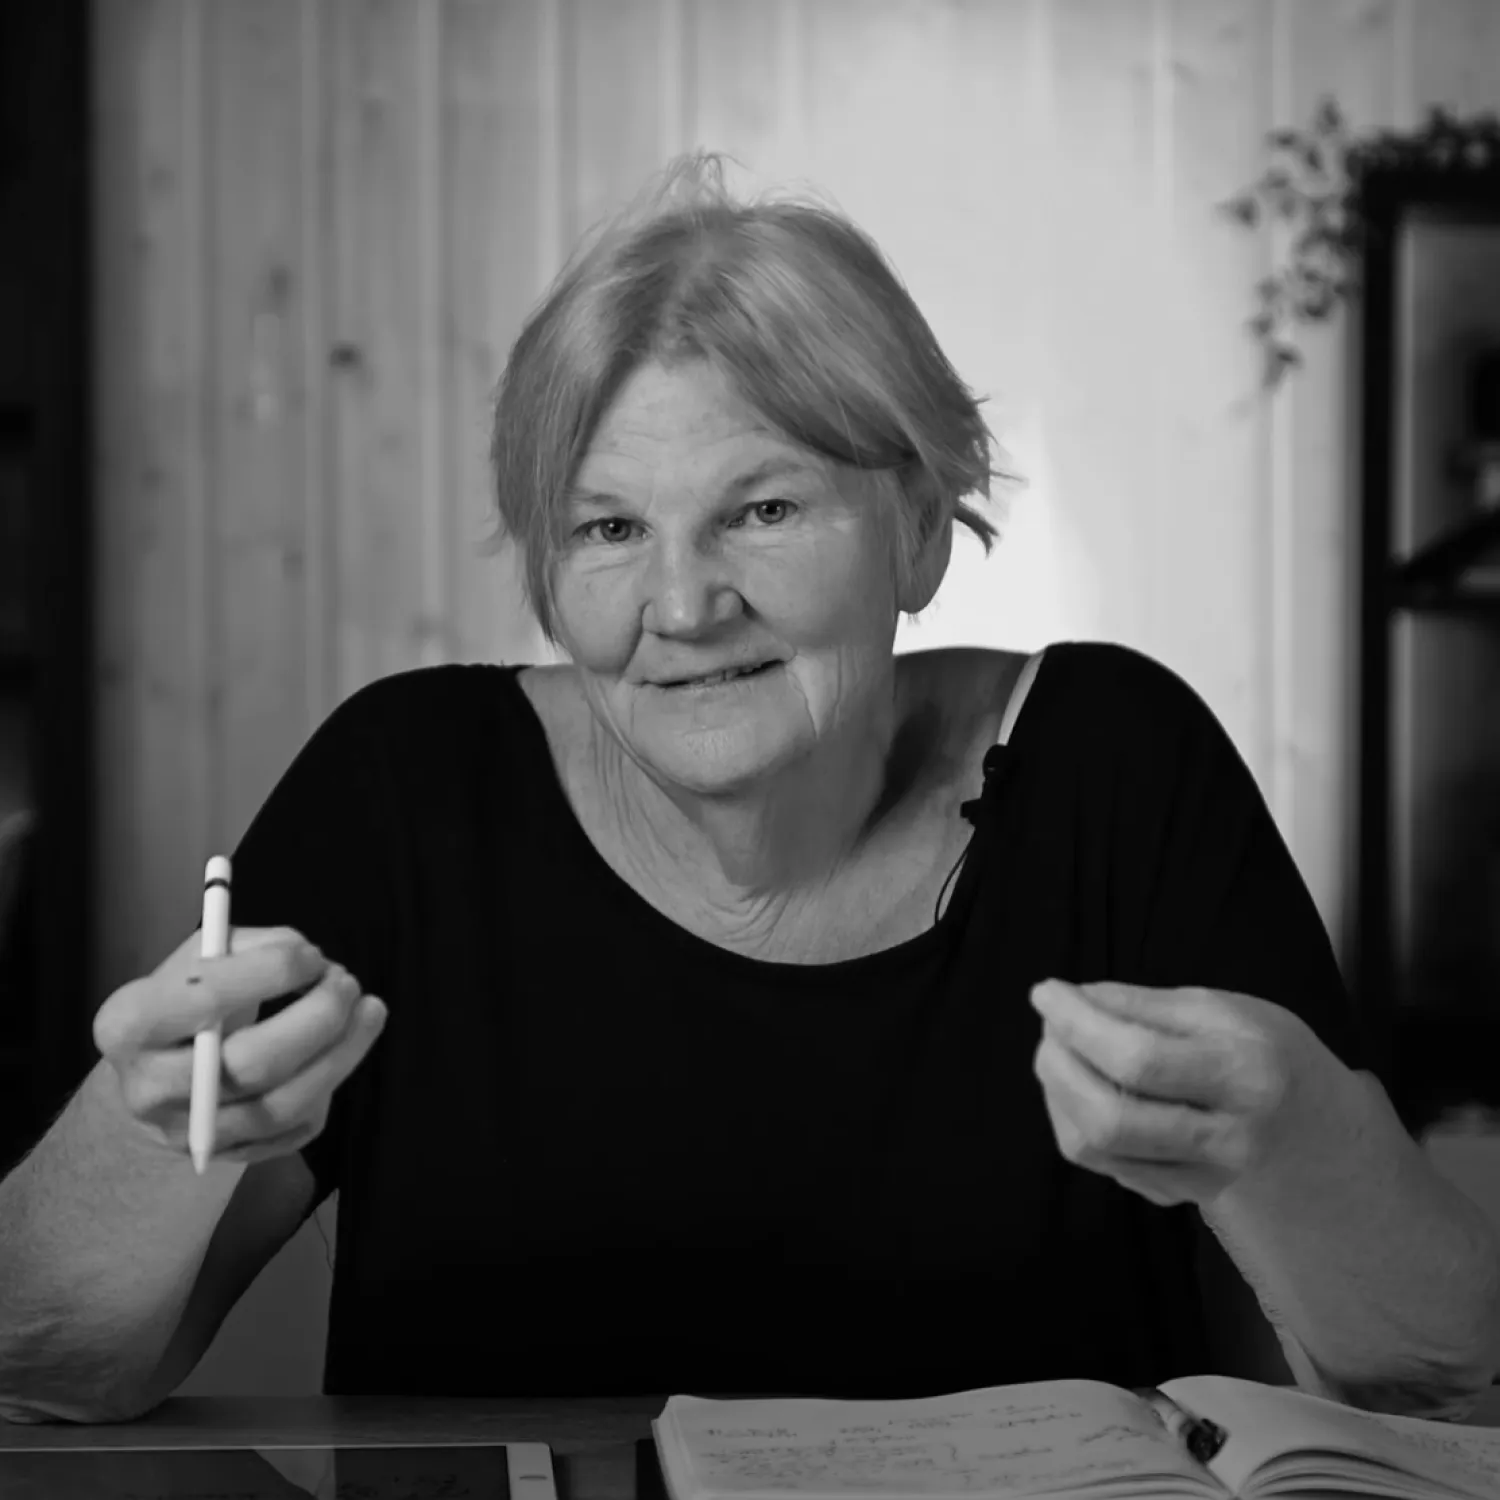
x: 700, y: 541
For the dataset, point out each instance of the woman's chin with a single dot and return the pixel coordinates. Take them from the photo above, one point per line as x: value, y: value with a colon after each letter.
x: 714, y: 764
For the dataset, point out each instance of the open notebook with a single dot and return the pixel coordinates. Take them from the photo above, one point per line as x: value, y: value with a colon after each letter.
x: 1071, y: 1438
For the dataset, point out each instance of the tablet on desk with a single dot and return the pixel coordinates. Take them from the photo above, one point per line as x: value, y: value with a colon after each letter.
x: 490, y: 1471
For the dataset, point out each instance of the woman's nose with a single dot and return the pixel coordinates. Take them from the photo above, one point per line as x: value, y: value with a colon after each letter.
x: 688, y: 590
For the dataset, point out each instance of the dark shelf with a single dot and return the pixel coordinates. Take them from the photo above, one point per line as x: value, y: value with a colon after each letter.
x: 17, y: 428
x: 1429, y: 1056
x: 1445, y: 598
x: 1442, y: 1061
x: 46, y: 556
x: 1441, y: 562
x: 17, y: 672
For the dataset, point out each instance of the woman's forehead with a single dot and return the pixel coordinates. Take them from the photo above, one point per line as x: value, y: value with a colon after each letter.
x: 690, y: 403
x: 688, y: 421
x: 603, y: 483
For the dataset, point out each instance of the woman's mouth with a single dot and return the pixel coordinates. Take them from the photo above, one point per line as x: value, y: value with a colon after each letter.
x: 722, y: 679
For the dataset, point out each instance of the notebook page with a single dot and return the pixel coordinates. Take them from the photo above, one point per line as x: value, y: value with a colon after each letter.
x: 1267, y: 1420
x: 1013, y: 1440
x: 1472, y: 1451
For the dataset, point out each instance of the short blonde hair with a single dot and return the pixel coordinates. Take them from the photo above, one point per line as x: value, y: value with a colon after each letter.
x: 792, y: 303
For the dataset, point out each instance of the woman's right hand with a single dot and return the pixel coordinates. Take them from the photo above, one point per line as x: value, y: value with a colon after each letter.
x: 278, y: 1075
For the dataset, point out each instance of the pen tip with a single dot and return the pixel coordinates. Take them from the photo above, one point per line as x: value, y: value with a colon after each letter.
x: 216, y: 869
x: 200, y: 1160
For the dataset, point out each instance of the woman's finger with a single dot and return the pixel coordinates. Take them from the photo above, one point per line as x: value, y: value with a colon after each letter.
x: 264, y: 1056
x: 1096, y: 1120
x: 170, y: 1006
x: 1142, y: 1059
x: 306, y: 1094
x: 266, y: 1148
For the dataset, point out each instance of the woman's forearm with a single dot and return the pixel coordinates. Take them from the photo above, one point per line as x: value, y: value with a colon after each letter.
x: 101, y: 1238
x: 1383, y: 1273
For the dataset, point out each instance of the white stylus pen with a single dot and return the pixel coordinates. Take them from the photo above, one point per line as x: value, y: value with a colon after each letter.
x: 529, y: 1469
x: 203, y: 1106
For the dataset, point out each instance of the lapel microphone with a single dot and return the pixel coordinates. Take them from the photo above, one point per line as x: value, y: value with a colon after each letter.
x: 990, y: 766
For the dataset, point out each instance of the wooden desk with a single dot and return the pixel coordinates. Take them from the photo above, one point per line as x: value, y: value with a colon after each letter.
x: 593, y: 1441
x: 570, y: 1426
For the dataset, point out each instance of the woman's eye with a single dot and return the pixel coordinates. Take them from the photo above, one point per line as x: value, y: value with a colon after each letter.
x: 591, y: 527
x: 612, y: 530
x: 781, y: 507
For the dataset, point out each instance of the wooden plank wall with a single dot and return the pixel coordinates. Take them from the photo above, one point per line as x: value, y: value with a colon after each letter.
x: 321, y: 223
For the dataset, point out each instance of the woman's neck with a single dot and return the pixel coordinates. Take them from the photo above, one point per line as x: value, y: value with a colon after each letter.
x: 748, y: 860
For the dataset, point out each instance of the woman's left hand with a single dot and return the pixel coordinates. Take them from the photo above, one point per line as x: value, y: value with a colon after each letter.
x: 1179, y: 1093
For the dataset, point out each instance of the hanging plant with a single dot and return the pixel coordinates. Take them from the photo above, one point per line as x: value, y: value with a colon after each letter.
x: 1313, y: 185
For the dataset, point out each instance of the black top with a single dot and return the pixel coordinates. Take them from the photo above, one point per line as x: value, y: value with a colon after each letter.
x: 594, y: 1153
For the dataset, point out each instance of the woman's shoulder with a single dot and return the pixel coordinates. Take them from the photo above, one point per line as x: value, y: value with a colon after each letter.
x: 1084, y: 678
x: 410, y: 717
x: 967, y: 683
x: 959, y: 695
x: 556, y: 697
x: 1078, y: 685
x: 396, y: 694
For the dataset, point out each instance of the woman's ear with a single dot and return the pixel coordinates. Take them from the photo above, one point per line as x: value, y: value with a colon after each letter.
x: 929, y: 567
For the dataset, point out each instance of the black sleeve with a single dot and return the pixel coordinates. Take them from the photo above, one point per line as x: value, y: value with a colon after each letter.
x: 1217, y: 898
x: 317, y: 857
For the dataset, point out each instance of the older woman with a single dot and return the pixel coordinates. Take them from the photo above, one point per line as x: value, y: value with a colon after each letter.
x: 767, y: 1011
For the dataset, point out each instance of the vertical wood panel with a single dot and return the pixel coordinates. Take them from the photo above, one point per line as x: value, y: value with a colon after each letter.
x: 320, y: 669
x: 1346, y: 48
x: 1205, y: 499
x: 151, y: 479
x: 1455, y: 54
x: 621, y: 80
x: 494, y: 199
x: 380, y: 301
x: 740, y: 63
x: 677, y: 99
x: 946, y: 180
x: 432, y: 630
x: 1282, y: 784
x: 735, y: 51
x: 256, y: 438
x: 1105, y: 303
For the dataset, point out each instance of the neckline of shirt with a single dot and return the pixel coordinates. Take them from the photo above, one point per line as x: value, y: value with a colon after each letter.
x: 632, y: 906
